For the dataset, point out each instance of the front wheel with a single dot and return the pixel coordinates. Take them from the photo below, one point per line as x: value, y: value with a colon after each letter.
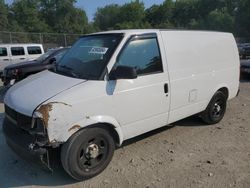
x: 216, y: 109
x: 87, y: 153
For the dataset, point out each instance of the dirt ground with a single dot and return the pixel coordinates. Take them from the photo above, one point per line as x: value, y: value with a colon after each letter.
x: 188, y: 154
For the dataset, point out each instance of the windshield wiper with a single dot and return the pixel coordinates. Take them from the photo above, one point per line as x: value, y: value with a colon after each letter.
x: 64, y: 67
x: 68, y: 72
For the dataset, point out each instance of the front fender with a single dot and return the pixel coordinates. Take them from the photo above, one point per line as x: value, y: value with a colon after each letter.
x: 61, y: 122
x: 98, y: 119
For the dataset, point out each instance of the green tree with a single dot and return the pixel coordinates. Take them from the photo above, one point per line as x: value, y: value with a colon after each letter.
x: 205, y: 14
x: 63, y: 17
x: 185, y: 13
x: 132, y: 12
x: 161, y: 16
x: 152, y: 15
x: 219, y: 20
x: 242, y: 19
x: 107, y: 17
x: 127, y: 16
x: 3, y: 16
x: 26, y: 16
x: 131, y: 16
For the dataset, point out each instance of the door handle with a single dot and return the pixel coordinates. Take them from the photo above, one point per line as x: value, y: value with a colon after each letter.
x: 6, y: 59
x: 22, y: 58
x: 166, y: 88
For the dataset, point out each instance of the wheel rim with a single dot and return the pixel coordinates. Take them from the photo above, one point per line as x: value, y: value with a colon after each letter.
x: 93, y: 153
x: 218, y: 108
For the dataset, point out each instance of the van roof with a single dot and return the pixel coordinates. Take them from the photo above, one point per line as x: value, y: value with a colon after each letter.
x: 140, y: 31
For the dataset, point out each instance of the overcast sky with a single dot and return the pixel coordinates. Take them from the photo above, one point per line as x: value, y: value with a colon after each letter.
x: 90, y: 6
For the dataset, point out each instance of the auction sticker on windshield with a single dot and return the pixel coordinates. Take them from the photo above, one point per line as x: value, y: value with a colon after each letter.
x: 98, y: 50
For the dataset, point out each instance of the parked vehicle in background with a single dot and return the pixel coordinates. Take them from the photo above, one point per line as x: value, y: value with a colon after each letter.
x: 16, y: 53
x: 247, y: 51
x: 241, y: 50
x: 244, y: 50
x: 16, y: 72
x: 245, y: 68
x: 113, y: 86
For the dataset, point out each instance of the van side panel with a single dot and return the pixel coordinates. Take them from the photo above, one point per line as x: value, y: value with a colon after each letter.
x: 199, y: 64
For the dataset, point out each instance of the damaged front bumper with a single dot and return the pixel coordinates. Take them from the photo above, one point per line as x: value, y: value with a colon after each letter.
x: 25, y: 144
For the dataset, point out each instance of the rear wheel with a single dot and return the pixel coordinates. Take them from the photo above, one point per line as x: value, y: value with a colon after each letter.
x: 216, y: 109
x: 87, y: 153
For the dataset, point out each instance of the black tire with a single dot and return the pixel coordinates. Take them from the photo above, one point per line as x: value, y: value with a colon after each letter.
x: 87, y: 153
x: 216, y: 109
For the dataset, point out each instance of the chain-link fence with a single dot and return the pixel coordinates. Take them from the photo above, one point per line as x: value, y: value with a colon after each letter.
x: 49, y: 40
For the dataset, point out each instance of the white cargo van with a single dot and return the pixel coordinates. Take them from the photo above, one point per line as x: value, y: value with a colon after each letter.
x: 115, y: 85
x: 15, y: 53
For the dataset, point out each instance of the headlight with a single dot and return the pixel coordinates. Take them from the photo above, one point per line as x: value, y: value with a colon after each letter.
x: 38, y: 123
x: 39, y: 131
x: 38, y: 127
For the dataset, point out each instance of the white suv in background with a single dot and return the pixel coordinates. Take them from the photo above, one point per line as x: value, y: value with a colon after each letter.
x: 15, y: 53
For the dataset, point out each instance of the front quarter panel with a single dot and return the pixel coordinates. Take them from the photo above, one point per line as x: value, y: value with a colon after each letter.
x: 77, y: 108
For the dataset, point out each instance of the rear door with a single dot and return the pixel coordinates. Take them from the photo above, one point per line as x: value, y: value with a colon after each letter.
x: 17, y: 54
x: 34, y: 52
x: 142, y: 104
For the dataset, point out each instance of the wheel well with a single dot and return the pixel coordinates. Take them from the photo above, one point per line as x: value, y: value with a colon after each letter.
x: 225, y: 91
x: 110, y: 128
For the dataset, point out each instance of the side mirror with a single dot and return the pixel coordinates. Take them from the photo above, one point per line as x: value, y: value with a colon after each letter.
x: 123, y: 72
x: 52, y: 60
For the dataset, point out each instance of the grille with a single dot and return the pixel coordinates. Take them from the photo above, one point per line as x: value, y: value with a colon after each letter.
x: 22, y: 120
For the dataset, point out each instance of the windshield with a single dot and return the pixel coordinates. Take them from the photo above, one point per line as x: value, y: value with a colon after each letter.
x: 88, y: 57
x: 45, y: 55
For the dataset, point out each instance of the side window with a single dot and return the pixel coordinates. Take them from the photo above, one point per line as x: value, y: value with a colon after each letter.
x: 15, y: 51
x: 32, y: 50
x: 143, y: 55
x: 3, y: 51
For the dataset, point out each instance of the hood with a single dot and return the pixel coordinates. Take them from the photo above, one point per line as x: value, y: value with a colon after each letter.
x: 22, y: 64
x: 25, y: 96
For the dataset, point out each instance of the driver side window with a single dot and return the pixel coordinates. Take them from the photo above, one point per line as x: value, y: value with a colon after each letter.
x: 143, y: 55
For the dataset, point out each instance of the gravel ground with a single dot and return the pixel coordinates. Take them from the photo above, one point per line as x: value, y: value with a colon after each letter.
x: 188, y: 154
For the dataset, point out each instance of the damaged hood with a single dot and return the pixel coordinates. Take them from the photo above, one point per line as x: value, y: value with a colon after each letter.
x: 25, y: 96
